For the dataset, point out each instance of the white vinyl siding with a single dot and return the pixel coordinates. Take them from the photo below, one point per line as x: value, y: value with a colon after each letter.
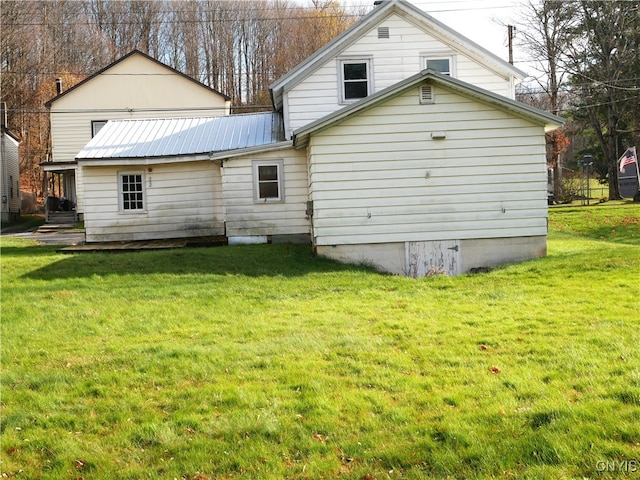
x: 379, y: 177
x: 9, y: 164
x: 245, y: 217
x: 392, y: 60
x: 181, y: 200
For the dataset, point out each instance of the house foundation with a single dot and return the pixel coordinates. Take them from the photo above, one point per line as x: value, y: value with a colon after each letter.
x: 419, y: 259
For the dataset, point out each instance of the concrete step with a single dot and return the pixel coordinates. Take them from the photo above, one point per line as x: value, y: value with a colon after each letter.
x: 55, y: 227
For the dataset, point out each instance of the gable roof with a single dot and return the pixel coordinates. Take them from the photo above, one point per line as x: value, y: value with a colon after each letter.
x: 121, y: 59
x: 360, y: 28
x: 172, y: 137
x: 549, y: 120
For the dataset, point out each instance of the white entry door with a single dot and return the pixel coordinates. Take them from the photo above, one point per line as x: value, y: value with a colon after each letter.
x: 433, y: 258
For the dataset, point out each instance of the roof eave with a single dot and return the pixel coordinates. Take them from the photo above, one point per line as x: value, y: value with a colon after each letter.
x: 240, y: 152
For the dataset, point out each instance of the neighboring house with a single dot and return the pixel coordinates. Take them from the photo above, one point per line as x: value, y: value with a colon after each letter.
x: 135, y: 86
x: 9, y: 171
x: 398, y: 144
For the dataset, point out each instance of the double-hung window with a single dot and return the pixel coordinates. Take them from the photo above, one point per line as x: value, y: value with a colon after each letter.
x: 355, y: 79
x: 268, y: 180
x: 131, y: 191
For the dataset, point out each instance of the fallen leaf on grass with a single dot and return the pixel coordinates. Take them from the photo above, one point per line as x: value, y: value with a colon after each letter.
x: 495, y: 370
x: 318, y: 437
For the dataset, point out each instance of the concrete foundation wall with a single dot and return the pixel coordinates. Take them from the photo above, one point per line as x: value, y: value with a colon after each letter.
x: 479, y: 253
x: 386, y: 257
x: 475, y: 253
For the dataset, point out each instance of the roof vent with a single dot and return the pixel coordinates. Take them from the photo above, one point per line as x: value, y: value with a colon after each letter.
x: 378, y: 2
x: 383, y: 32
x: 58, y: 86
x: 426, y: 94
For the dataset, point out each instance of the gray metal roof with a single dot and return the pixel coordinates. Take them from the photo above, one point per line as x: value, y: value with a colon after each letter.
x: 166, y: 137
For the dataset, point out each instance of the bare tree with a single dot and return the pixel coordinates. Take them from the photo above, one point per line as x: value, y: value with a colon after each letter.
x: 127, y: 25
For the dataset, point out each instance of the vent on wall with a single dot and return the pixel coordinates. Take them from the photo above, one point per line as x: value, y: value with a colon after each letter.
x: 383, y: 32
x: 427, y: 95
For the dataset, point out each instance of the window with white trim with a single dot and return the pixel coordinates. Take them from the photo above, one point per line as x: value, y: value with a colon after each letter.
x: 355, y: 79
x: 443, y: 65
x: 96, y: 125
x: 131, y: 191
x: 268, y: 180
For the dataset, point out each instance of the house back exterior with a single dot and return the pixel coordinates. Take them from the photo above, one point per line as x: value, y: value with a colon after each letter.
x: 400, y: 145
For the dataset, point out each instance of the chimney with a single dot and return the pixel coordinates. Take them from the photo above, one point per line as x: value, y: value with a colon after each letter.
x: 58, y: 86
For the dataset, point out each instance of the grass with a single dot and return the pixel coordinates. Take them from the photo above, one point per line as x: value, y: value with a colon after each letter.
x: 267, y: 362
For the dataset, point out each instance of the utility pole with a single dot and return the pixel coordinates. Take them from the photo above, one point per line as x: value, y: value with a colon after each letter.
x: 511, y: 33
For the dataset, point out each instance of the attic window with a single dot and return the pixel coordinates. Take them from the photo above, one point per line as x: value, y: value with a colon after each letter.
x: 355, y: 79
x: 427, y: 95
x: 444, y: 65
x: 383, y: 32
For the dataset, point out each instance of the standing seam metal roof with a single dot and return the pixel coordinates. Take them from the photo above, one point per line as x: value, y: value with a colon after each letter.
x: 166, y: 137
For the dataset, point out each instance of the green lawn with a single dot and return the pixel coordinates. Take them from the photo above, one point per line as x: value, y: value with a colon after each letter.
x: 267, y: 362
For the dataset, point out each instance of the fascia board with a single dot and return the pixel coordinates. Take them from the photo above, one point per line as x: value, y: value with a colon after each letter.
x: 140, y: 161
x: 272, y: 147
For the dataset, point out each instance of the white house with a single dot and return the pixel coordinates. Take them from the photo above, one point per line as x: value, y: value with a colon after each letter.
x: 9, y: 171
x: 134, y: 86
x: 398, y: 144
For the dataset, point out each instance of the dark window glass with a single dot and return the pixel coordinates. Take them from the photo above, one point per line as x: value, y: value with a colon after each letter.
x: 268, y: 172
x: 355, y: 81
x: 355, y: 71
x: 355, y: 90
x: 268, y: 181
x: 439, y: 65
x: 132, y: 192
